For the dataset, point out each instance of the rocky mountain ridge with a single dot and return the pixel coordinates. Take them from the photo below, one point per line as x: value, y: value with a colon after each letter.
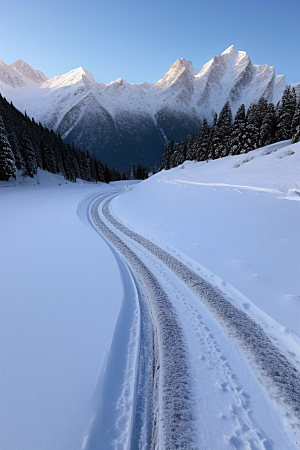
x: 124, y: 123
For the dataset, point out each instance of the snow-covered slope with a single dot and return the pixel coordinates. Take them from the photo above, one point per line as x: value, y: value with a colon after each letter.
x: 231, y: 216
x: 126, y: 123
x: 69, y: 350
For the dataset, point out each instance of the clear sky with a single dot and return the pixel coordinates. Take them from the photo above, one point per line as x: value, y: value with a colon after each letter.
x: 139, y: 40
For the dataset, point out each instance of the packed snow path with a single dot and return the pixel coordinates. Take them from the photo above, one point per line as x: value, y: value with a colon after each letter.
x: 249, y: 333
x: 170, y: 422
x: 177, y: 415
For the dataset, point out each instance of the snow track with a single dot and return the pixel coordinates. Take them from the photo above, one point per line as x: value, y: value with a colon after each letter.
x: 172, y: 423
x: 251, y: 336
x: 184, y: 361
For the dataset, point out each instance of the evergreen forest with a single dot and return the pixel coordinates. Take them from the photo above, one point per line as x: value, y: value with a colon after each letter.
x: 262, y: 124
x: 26, y: 146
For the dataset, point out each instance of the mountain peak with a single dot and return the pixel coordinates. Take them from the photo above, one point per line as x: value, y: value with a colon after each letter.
x: 229, y: 50
x: 182, y: 64
x: 30, y: 74
x: 180, y: 70
x: 79, y: 75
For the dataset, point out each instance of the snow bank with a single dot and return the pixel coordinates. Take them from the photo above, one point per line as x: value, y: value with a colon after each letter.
x: 275, y: 167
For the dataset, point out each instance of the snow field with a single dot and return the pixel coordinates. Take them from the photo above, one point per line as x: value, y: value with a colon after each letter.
x: 59, y: 308
x: 77, y: 359
x: 244, y: 238
x: 242, y: 418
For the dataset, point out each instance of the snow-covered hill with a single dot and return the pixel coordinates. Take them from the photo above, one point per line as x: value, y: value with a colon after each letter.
x: 232, y: 216
x: 126, y: 123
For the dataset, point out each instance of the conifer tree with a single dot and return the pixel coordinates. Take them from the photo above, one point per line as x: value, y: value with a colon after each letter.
x: 268, y: 127
x: 7, y: 160
x: 29, y: 157
x: 285, y: 112
x: 221, y: 134
x: 238, y: 133
x: 191, y: 143
x: 107, y: 176
x: 252, y: 128
x: 211, y: 153
x: 99, y: 171
x: 169, y: 149
x: 16, y: 150
x: 296, y: 124
x: 204, y: 142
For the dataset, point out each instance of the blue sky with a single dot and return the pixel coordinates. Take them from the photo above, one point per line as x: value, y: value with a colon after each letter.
x: 140, y: 40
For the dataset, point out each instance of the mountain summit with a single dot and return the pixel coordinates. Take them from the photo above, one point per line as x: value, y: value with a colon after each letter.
x: 124, y: 123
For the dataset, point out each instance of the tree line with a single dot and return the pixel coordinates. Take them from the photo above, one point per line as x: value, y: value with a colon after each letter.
x: 26, y: 146
x: 262, y: 124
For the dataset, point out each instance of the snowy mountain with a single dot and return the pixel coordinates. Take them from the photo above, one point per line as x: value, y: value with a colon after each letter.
x: 19, y: 74
x: 124, y: 123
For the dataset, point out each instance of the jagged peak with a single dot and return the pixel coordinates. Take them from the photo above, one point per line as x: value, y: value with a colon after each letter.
x: 70, y: 78
x: 118, y: 82
x: 18, y: 62
x: 25, y: 70
x: 229, y: 50
x: 181, y: 67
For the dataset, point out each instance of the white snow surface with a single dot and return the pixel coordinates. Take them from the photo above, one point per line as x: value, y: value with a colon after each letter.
x: 61, y: 295
x: 64, y: 316
x: 233, y: 218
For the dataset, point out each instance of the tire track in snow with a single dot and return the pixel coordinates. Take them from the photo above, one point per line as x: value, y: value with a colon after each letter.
x: 173, y: 420
x: 272, y: 364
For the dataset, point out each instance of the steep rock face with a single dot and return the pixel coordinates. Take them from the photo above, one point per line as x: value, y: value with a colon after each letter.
x: 127, y: 124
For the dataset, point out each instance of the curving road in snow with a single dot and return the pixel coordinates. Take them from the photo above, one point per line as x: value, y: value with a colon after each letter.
x: 178, y: 375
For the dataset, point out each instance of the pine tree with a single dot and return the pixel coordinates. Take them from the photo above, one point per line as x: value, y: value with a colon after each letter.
x: 29, y: 157
x: 221, y: 134
x: 191, y: 147
x: 268, y: 127
x: 16, y: 151
x: 68, y: 162
x: 238, y: 133
x: 252, y: 128
x: 107, y: 176
x: 99, y: 171
x: 7, y: 160
x: 296, y: 124
x: 296, y: 136
x: 204, y: 142
x: 211, y: 153
x: 169, y: 149
x: 285, y: 112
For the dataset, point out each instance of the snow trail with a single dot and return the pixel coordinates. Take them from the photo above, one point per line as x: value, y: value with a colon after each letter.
x: 173, y: 418
x: 189, y: 378
x: 272, y: 363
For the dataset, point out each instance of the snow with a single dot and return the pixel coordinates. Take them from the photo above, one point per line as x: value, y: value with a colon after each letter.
x: 232, y: 219
x: 76, y: 324
x: 59, y: 308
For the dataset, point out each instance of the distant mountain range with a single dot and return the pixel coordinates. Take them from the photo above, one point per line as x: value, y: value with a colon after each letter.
x: 125, y: 124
